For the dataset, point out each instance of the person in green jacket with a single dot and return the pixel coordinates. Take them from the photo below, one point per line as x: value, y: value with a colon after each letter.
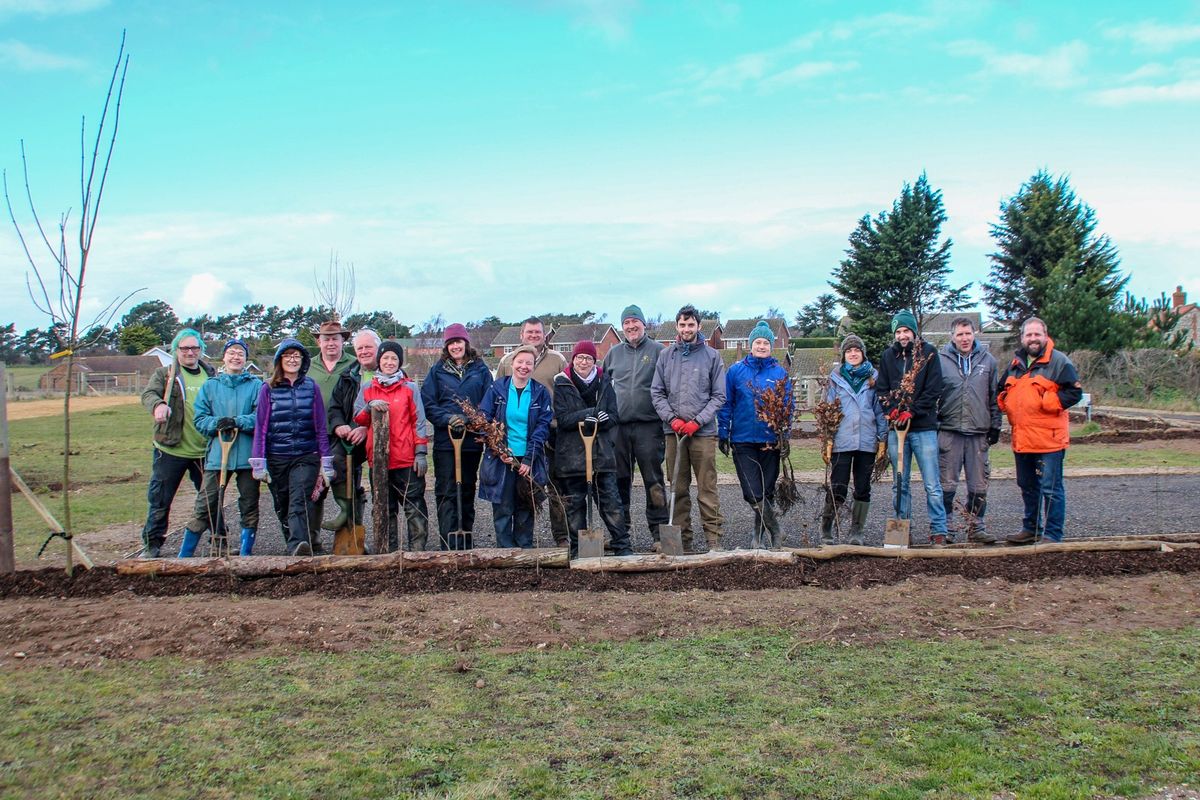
x: 170, y: 397
x: 225, y: 409
x: 333, y: 359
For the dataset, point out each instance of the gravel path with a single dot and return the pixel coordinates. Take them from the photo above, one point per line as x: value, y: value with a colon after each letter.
x: 1095, y: 507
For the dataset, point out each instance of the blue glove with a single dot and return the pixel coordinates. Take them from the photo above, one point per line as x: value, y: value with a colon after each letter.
x: 327, y: 468
x: 258, y: 469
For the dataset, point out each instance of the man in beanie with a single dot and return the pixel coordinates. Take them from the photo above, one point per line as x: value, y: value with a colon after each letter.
x: 586, y: 404
x: 226, y: 410
x: 547, y: 363
x: 179, y: 448
x: 638, y: 436
x: 333, y: 359
x: 687, y: 391
x: 968, y: 424
x: 913, y: 403
x: 1036, y: 390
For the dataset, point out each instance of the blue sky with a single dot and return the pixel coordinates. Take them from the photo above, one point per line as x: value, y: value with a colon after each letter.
x: 477, y: 158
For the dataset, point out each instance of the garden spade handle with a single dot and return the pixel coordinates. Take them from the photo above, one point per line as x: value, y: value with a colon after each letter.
x: 588, y: 441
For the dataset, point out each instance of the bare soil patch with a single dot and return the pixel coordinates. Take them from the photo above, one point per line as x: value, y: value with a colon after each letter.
x: 53, y: 407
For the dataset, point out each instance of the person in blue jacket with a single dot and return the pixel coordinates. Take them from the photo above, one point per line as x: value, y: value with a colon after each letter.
x: 226, y: 408
x: 860, y: 441
x: 755, y: 446
x: 524, y: 407
x: 459, y: 374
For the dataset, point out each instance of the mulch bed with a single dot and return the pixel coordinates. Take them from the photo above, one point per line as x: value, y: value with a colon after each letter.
x: 841, y: 573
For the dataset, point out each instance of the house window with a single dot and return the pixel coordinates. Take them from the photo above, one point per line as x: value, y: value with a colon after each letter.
x: 564, y: 347
x: 508, y: 348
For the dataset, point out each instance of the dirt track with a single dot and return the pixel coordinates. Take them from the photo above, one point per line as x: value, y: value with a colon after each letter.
x: 28, y: 409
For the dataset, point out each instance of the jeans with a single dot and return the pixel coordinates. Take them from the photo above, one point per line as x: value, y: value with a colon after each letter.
x: 513, y: 515
x: 1040, y: 475
x: 923, y: 445
x: 166, y: 473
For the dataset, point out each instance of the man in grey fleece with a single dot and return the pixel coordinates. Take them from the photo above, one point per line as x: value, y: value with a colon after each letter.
x: 968, y: 424
x: 639, y: 436
x: 687, y: 391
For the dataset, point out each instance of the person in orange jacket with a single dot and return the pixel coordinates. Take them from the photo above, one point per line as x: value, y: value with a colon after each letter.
x: 408, y: 444
x: 1035, y: 392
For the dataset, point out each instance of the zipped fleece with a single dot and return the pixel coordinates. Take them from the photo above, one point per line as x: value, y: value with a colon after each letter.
x: 1036, y: 398
x: 631, y: 368
x: 968, y: 403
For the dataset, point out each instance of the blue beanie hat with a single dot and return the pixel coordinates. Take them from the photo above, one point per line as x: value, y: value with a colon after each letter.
x: 762, y: 331
x: 236, y: 342
x: 904, y: 319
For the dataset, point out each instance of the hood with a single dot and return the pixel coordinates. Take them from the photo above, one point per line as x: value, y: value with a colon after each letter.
x: 759, y: 364
x: 1022, y: 356
x: 290, y: 343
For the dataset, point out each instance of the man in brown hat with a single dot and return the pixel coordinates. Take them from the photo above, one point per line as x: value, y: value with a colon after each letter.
x: 333, y: 360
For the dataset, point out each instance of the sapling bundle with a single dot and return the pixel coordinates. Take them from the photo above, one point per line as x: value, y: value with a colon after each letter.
x: 490, y: 433
x: 774, y: 407
x: 900, y: 401
x: 829, y: 416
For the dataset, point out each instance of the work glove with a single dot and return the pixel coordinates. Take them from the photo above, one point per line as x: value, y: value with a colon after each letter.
x: 327, y: 468
x: 420, y: 465
x: 881, y: 451
x: 458, y: 421
x: 603, y: 417
x: 827, y: 452
x: 591, y: 420
x: 677, y: 426
x: 898, y: 417
x: 993, y: 435
x: 690, y: 428
x: 226, y: 424
x: 258, y: 470
x: 381, y: 405
x: 726, y: 446
x: 785, y: 447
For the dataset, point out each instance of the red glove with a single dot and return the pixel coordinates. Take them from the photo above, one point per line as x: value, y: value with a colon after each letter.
x: 899, y: 417
x: 677, y: 425
x: 690, y: 428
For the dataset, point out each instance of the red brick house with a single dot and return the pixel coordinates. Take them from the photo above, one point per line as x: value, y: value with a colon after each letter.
x: 601, y: 334
x: 711, y: 328
x: 736, y: 333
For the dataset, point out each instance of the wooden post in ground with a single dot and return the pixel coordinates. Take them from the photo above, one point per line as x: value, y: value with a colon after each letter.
x: 379, y: 480
x: 7, y: 560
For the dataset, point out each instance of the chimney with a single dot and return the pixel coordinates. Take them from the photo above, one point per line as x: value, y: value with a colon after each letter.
x: 1179, y: 298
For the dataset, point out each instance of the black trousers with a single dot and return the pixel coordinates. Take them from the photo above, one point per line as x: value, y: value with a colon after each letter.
x: 292, y: 484
x: 607, y: 502
x: 644, y: 445
x: 757, y: 470
x: 166, y: 473
x: 860, y: 464
x: 443, y: 491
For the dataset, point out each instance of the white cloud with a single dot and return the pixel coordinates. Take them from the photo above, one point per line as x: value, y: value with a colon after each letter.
x: 1057, y: 68
x: 803, y: 72
x: 1184, y: 91
x: 205, y: 293
x: 609, y: 20
x: 28, y: 59
x: 1153, y: 35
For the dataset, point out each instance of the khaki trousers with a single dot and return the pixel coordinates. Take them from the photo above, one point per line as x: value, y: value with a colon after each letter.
x: 698, y: 456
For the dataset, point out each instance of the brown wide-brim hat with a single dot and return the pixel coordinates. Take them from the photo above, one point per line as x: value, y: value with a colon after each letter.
x: 331, y: 328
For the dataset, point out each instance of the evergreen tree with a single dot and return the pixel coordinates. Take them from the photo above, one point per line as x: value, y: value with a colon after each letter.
x: 1051, y: 263
x: 897, y: 261
x: 137, y: 339
x: 156, y: 315
x: 819, y: 318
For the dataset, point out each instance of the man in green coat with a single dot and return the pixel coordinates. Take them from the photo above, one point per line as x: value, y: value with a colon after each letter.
x: 333, y: 360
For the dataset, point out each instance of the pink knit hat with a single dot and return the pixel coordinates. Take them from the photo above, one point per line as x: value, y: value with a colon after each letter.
x: 455, y: 330
x: 584, y: 348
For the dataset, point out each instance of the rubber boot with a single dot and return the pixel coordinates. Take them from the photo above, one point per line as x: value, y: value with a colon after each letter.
x: 976, y: 530
x: 948, y: 504
x: 757, y: 534
x: 418, y: 531
x: 827, y: 521
x: 190, y: 540
x: 858, y: 520
x: 247, y: 548
x: 343, y: 515
x: 772, y: 524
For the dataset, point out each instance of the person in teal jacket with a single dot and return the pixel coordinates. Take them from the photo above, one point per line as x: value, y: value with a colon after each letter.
x: 226, y: 409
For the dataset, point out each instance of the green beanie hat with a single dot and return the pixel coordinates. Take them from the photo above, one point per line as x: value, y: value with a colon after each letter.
x: 904, y: 319
x: 633, y: 312
x: 762, y: 331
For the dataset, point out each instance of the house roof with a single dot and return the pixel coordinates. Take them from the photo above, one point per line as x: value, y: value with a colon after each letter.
x: 810, y: 362
x: 940, y: 322
x: 666, y: 331
x: 509, y: 336
x: 588, y: 332
x: 740, y: 329
x: 484, y: 336
x: 116, y: 364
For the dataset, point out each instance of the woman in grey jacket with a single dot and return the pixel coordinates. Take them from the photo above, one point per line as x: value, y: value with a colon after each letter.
x: 861, y: 439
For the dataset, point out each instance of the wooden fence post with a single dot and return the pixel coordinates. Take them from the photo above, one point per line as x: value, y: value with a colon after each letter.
x: 7, y: 559
x: 380, y: 518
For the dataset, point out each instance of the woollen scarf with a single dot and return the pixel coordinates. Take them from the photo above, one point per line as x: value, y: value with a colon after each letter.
x: 388, y: 380
x: 857, y: 376
x: 686, y: 347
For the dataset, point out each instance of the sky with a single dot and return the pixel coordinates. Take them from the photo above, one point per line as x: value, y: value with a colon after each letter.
x: 476, y: 158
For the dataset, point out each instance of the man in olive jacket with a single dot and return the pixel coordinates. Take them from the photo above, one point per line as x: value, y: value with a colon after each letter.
x: 178, y: 447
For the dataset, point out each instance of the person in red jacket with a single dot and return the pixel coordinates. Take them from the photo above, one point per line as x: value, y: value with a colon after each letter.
x: 1035, y: 392
x: 408, y: 444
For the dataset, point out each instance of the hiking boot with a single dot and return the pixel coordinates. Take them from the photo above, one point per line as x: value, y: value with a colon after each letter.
x: 317, y: 549
x: 937, y: 539
x: 980, y: 537
x: 151, y: 551
x: 1024, y: 537
x: 656, y: 547
x: 301, y: 549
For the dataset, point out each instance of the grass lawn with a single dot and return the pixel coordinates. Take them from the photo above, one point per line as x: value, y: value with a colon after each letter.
x: 24, y: 378
x: 725, y: 715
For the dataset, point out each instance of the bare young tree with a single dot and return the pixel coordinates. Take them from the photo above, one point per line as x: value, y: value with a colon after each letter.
x: 56, y: 283
x: 336, y: 290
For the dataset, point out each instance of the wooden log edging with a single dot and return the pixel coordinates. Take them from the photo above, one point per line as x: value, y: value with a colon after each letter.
x: 657, y: 562
x: 1076, y: 546
x: 267, y: 566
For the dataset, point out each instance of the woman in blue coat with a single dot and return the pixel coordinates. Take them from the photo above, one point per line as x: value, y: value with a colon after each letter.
x: 754, y: 444
x: 226, y: 408
x: 460, y: 374
x: 523, y: 406
x: 861, y: 439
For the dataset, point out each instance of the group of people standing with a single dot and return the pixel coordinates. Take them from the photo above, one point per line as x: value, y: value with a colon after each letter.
x: 306, y: 432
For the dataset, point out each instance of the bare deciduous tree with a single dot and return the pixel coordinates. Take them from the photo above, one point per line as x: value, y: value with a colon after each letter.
x: 336, y: 290
x: 56, y: 283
